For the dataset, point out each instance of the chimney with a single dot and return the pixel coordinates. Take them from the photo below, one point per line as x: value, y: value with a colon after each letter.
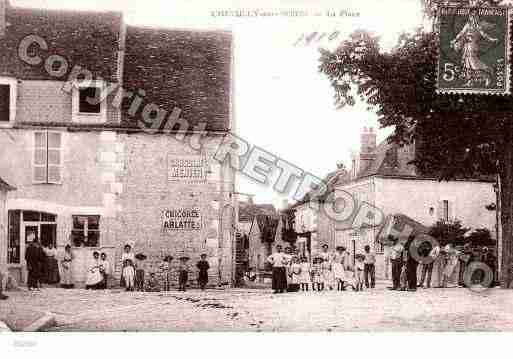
x: 367, y: 148
x: 4, y: 4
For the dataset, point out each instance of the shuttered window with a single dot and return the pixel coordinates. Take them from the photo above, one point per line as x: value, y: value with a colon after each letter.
x: 47, y: 164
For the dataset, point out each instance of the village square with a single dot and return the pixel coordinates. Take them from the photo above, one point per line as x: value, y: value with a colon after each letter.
x: 124, y: 203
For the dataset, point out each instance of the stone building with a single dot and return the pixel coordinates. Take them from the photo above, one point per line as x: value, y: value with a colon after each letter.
x: 108, y: 132
x: 381, y: 177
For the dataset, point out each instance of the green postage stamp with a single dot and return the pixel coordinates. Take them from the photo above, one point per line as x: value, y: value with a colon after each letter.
x: 474, y: 50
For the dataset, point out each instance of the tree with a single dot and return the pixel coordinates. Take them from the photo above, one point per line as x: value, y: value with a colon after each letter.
x: 481, y: 237
x: 455, y: 136
x: 447, y: 232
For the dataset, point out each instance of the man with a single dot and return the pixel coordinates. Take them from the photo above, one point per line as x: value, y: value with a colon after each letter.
x: 279, y: 262
x: 465, y: 259
x: 369, y: 268
x: 34, y: 256
x: 411, y: 265
x: 396, y: 258
x: 427, y: 268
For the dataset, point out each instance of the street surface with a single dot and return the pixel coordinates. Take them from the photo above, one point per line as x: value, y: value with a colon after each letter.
x: 455, y: 309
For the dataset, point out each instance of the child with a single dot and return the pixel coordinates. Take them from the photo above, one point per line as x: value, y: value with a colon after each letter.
x: 129, y: 274
x: 168, y: 275
x: 317, y: 279
x: 358, y: 272
x: 295, y: 274
x: 153, y: 284
x: 203, y: 267
x: 327, y: 274
x: 139, y: 272
x: 339, y: 273
x: 404, y: 278
x: 304, y: 275
x: 183, y: 273
x: 104, y: 269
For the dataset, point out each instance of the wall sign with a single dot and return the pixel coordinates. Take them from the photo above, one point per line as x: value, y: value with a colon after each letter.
x: 473, y: 50
x: 187, y: 168
x: 181, y: 219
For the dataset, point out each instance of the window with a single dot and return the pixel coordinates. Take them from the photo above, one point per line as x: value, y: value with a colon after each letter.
x: 47, y: 157
x: 445, y: 213
x: 86, y: 231
x: 87, y: 100
x: 7, y: 100
x: 13, y: 243
x: 89, y: 106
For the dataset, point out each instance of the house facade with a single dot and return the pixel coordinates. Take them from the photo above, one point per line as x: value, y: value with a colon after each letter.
x: 108, y: 132
x: 381, y: 178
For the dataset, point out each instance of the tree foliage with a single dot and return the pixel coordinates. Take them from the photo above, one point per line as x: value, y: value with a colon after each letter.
x: 480, y: 237
x: 456, y: 136
x: 447, y: 232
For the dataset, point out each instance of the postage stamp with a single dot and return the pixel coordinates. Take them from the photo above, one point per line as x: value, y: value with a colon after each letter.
x: 474, y: 50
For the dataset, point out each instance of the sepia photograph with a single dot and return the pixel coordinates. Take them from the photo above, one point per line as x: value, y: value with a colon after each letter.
x: 286, y: 166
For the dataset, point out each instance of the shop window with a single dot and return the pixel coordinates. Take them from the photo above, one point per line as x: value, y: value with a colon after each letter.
x: 86, y: 231
x: 13, y: 243
x: 47, y: 163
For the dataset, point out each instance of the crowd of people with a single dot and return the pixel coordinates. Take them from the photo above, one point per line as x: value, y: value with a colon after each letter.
x: 437, y: 266
x: 440, y: 266
x: 326, y: 271
x: 43, y: 268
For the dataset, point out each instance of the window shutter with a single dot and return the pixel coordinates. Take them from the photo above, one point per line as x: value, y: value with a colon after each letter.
x: 452, y: 210
x: 40, y: 158
x: 54, y: 157
x: 440, y: 210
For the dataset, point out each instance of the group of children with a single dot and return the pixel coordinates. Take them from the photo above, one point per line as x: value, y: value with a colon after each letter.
x: 133, y: 272
x: 326, y: 272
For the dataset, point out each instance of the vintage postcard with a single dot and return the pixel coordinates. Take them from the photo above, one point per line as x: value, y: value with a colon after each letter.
x: 286, y: 166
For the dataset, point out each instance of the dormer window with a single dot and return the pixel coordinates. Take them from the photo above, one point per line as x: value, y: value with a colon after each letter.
x: 7, y: 101
x: 89, y: 103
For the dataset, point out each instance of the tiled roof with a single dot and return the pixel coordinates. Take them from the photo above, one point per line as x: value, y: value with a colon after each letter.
x: 190, y: 70
x: 86, y: 39
x: 186, y: 69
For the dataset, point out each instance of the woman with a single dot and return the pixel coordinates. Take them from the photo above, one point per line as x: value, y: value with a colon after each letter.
x: 451, y: 265
x: 52, y: 266
x: 127, y: 255
x: 94, y: 277
x: 66, y: 267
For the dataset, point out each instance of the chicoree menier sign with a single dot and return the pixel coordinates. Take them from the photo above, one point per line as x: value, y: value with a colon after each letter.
x: 188, y: 168
x: 181, y: 219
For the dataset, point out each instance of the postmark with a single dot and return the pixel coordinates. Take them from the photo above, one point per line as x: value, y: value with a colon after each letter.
x: 474, y: 45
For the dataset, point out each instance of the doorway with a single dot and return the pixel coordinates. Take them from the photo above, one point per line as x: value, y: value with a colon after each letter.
x: 24, y: 227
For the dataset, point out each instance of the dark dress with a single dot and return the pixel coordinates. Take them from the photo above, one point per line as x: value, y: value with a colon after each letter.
x: 203, y: 267
x: 35, y: 258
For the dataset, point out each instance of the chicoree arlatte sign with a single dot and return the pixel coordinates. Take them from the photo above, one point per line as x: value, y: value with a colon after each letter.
x: 187, y: 168
x: 181, y: 219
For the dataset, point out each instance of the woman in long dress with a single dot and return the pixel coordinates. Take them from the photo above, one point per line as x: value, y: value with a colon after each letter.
x: 94, y: 277
x: 438, y: 266
x: 66, y: 268
x: 52, y: 265
x: 338, y: 267
x: 451, y: 267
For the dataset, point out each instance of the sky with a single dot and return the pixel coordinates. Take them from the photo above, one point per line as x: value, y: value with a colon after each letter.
x: 282, y: 103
